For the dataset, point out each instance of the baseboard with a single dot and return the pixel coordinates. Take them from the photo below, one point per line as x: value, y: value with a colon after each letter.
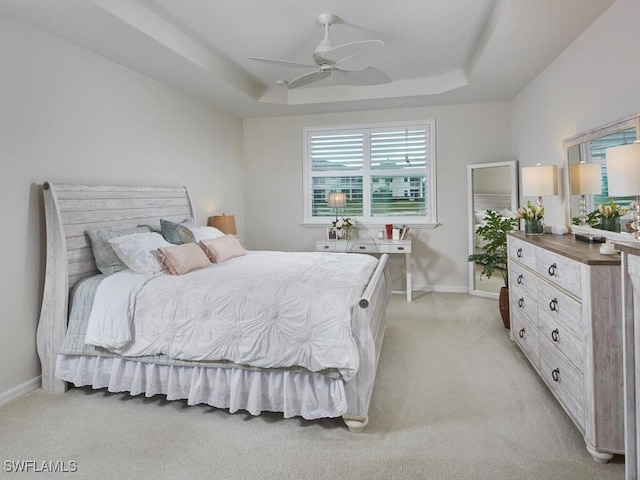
x: 441, y: 289
x: 20, y: 390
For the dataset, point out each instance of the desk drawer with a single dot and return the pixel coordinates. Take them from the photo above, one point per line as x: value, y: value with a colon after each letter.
x: 362, y: 247
x: 391, y: 248
x: 326, y: 246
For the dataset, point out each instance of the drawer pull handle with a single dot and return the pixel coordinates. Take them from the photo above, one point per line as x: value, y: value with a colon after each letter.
x: 555, y: 375
x: 400, y: 248
x: 553, y: 305
x: 552, y: 270
x: 520, y: 278
x: 521, y: 302
x: 362, y: 247
x: 519, y: 253
x: 326, y: 247
x: 554, y: 335
x: 521, y: 333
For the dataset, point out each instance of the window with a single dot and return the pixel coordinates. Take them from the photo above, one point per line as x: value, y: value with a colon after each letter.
x: 386, y: 171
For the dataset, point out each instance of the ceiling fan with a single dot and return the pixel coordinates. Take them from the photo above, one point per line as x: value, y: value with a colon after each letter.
x: 346, y: 64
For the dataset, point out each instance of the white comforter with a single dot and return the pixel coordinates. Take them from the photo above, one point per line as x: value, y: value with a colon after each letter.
x: 265, y: 309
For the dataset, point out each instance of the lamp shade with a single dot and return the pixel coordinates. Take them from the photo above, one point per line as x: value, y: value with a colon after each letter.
x: 623, y: 170
x: 586, y: 178
x: 337, y: 200
x: 224, y: 223
x: 539, y: 181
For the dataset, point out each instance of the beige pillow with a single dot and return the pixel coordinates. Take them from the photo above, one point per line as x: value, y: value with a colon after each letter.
x: 222, y: 248
x: 181, y: 259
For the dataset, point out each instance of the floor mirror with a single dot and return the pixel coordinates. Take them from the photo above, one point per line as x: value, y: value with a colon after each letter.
x: 490, y: 186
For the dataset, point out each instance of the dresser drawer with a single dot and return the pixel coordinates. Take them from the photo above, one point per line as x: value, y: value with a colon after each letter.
x: 525, y: 334
x: 560, y: 307
x: 524, y: 304
x: 362, y: 247
x: 521, y: 280
x: 522, y: 252
x: 564, y: 339
x: 564, y: 380
x: 559, y: 270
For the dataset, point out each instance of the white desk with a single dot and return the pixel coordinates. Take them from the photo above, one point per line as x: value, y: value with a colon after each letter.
x: 372, y: 245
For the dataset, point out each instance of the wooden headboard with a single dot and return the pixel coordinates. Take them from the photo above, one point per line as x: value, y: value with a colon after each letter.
x: 71, y: 210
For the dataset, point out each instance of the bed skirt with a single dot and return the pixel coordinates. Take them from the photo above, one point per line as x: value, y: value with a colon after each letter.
x: 294, y: 393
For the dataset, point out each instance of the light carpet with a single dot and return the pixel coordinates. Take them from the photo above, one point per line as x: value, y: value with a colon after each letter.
x: 454, y: 399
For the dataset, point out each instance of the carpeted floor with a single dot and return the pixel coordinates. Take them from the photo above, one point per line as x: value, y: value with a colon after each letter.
x: 454, y: 399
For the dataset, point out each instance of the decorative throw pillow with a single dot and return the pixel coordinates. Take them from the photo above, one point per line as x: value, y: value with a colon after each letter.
x: 222, y: 248
x: 106, y: 258
x: 177, y: 233
x: 180, y: 259
x: 206, y: 233
x: 138, y: 251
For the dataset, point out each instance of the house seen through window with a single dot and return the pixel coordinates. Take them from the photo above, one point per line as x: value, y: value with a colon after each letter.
x: 386, y: 171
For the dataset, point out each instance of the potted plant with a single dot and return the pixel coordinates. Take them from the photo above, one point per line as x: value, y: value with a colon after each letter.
x: 494, y: 254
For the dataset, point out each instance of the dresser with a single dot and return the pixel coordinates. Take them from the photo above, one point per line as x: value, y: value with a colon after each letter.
x: 631, y: 333
x: 372, y: 245
x: 566, y: 318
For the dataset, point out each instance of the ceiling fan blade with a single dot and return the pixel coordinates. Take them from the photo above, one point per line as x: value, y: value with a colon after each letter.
x: 281, y: 63
x: 351, y: 56
x: 367, y: 76
x: 308, y: 78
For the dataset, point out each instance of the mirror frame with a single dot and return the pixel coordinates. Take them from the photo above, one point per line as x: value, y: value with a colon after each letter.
x: 513, y: 178
x: 626, y: 123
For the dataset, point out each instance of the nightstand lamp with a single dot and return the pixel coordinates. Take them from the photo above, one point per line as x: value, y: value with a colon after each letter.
x: 540, y: 181
x: 586, y: 179
x: 224, y: 223
x: 623, y: 177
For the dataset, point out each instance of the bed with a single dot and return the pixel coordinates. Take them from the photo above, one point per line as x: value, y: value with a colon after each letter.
x: 311, y: 385
x: 495, y: 202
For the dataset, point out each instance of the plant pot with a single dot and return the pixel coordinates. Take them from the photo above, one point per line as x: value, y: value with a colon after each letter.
x: 503, y: 303
x: 610, y: 224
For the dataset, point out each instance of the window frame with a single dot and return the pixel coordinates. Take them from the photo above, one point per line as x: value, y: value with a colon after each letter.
x: 427, y: 220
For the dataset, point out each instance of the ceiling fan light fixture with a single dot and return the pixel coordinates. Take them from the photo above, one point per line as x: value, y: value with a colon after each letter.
x: 347, y: 64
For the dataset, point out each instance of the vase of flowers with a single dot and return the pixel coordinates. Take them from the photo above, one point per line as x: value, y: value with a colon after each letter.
x: 343, y: 227
x: 610, y: 216
x: 533, y: 216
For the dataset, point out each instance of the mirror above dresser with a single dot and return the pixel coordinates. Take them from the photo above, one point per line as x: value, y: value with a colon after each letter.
x: 582, y: 199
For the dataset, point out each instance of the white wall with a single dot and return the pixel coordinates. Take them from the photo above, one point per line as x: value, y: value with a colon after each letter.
x: 68, y: 115
x: 596, y: 80
x: 465, y: 134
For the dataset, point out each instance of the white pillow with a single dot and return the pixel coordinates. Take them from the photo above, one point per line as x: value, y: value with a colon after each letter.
x: 138, y: 251
x: 205, y: 233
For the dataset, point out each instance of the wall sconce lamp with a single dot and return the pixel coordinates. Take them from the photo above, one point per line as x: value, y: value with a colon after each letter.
x: 623, y: 176
x: 337, y: 201
x: 539, y: 181
x: 586, y: 179
x: 224, y: 223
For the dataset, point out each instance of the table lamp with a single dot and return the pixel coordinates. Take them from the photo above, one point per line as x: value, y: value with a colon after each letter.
x: 623, y: 176
x: 586, y: 179
x: 224, y: 223
x: 337, y: 201
x: 539, y: 181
